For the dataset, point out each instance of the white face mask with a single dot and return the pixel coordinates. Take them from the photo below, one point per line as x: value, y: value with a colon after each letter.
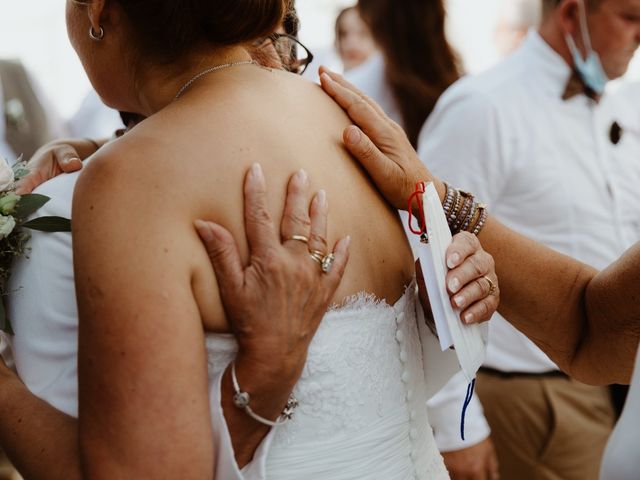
x: 590, y: 68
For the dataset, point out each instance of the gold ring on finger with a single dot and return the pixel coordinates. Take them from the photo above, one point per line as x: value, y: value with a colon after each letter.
x: 492, y: 286
x: 297, y: 238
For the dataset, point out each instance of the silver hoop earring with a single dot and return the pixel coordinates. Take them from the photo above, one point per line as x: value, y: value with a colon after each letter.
x: 96, y: 36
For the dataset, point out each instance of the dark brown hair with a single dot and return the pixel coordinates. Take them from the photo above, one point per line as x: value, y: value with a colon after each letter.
x: 166, y: 30
x: 420, y: 63
x: 291, y: 21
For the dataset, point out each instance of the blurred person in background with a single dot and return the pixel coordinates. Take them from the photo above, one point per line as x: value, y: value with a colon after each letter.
x: 416, y: 64
x: 354, y: 42
x: 514, y: 21
x: 532, y: 138
x: 27, y: 118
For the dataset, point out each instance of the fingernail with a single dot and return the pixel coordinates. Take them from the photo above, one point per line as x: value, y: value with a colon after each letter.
x: 459, y: 301
x: 353, y: 135
x: 204, y: 230
x: 468, y: 318
x: 72, y: 159
x: 454, y: 285
x: 322, y: 198
x: 453, y: 260
x: 325, y: 76
x: 302, y: 175
x: 256, y: 172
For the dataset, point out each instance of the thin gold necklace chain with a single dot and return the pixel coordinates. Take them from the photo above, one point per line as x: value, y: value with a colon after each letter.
x: 208, y: 71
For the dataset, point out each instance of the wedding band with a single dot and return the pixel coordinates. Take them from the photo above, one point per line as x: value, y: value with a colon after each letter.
x: 492, y: 286
x: 317, y: 256
x: 297, y: 238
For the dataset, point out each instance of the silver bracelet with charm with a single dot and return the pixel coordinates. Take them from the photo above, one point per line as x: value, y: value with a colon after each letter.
x: 242, y: 399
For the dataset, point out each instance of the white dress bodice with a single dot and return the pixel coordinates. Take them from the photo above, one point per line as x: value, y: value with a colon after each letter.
x: 362, y: 393
x: 362, y: 397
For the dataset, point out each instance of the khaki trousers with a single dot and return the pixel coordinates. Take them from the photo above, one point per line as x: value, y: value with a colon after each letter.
x: 546, y: 428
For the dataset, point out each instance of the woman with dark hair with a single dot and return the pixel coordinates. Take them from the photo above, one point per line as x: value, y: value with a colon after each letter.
x: 160, y: 377
x: 419, y: 64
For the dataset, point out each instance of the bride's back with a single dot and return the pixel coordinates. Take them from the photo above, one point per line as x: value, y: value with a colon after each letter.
x: 198, y: 150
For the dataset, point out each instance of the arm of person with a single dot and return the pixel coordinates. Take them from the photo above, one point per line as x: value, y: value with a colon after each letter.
x: 56, y: 158
x: 539, y: 285
x: 41, y: 441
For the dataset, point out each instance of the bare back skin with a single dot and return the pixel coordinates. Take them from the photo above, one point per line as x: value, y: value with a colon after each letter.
x: 204, y: 143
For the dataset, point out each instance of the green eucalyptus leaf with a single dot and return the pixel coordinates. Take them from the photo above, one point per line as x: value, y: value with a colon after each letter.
x: 49, y: 224
x: 29, y: 204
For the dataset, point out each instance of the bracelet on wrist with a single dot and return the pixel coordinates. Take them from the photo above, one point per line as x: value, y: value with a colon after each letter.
x: 462, y: 212
x: 242, y: 400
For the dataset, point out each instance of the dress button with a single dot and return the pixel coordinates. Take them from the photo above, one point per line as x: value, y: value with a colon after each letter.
x: 400, y: 317
x: 399, y: 335
x: 412, y: 415
x: 413, y: 434
x: 403, y: 355
x: 414, y: 455
x: 410, y: 395
x: 406, y: 376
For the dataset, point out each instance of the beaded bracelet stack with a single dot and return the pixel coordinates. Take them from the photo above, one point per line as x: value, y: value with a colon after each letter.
x: 462, y: 212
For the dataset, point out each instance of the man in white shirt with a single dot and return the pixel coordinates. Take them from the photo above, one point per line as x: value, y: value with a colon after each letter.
x: 533, y: 138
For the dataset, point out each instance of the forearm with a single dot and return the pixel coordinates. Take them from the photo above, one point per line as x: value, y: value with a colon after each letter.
x: 41, y: 441
x: 269, y: 394
x: 544, y: 295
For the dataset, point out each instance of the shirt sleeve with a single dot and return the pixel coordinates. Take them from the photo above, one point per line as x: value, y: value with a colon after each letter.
x: 445, y: 412
x: 463, y: 144
x: 225, y: 460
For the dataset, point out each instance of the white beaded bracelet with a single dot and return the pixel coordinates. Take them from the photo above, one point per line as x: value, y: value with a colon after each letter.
x: 242, y: 399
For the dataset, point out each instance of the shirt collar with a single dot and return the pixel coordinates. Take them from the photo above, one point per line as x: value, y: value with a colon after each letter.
x: 553, y: 72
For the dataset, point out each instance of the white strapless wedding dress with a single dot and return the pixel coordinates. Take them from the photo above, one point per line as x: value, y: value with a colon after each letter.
x: 362, y: 412
x: 362, y: 394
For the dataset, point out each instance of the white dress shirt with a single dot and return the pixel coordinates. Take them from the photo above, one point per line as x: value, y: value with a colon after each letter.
x: 545, y: 166
x: 445, y: 408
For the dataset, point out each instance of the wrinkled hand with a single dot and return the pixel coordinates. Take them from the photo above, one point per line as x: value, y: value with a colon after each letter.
x: 474, y: 463
x: 378, y: 143
x: 53, y: 159
x: 467, y: 280
x: 276, y: 302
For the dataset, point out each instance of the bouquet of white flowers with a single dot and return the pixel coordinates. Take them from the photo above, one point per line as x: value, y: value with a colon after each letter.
x: 14, y: 211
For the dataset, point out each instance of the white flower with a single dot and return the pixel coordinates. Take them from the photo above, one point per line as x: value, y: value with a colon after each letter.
x: 7, y: 224
x: 6, y: 175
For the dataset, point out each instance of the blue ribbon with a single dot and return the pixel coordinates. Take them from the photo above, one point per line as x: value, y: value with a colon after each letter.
x: 470, y: 388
